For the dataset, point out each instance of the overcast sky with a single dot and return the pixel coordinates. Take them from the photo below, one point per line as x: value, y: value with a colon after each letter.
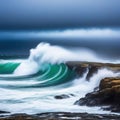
x: 44, y: 14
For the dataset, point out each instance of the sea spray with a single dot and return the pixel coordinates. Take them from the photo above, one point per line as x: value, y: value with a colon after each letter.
x: 46, y: 53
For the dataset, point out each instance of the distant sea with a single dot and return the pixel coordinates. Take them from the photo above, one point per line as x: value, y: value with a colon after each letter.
x: 104, y: 42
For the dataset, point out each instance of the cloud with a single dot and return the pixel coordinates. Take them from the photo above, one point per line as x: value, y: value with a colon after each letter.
x: 82, y: 33
x: 45, y: 14
x: 69, y: 33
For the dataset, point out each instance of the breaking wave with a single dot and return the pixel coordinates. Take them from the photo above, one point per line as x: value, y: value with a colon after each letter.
x: 30, y: 85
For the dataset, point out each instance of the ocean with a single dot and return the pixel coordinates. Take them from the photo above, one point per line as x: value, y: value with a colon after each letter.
x: 33, y: 67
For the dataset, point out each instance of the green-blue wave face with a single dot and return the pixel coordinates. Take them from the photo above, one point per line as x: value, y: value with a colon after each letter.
x: 8, y: 68
x: 48, y: 75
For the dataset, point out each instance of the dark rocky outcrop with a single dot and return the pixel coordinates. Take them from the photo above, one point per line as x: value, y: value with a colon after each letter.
x: 92, y: 70
x: 63, y: 96
x: 3, y: 112
x: 61, y: 116
x: 92, y: 67
x: 107, y: 95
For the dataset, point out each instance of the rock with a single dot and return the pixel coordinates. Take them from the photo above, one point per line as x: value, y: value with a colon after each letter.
x: 109, y: 82
x: 19, y: 117
x: 108, y: 95
x: 92, y: 67
x: 2, y: 112
x: 80, y: 70
x: 77, y: 64
x: 108, y: 92
x: 89, y: 100
x: 61, y: 116
x: 63, y: 96
x: 92, y: 70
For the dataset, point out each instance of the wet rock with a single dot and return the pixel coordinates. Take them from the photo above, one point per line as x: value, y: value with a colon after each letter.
x: 109, y: 82
x: 77, y: 64
x: 108, y: 92
x: 89, y: 100
x: 92, y: 70
x: 107, y: 95
x: 63, y: 96
x: 61, y: 116
x: 19, y: 117
x: 2, y: 112
x: 81, y: 67
x: 80, y: 70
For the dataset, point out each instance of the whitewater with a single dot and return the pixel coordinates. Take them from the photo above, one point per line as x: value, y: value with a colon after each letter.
x: 30, y: 85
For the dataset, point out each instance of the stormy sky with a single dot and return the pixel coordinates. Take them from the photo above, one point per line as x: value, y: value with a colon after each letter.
x: 45, y: 14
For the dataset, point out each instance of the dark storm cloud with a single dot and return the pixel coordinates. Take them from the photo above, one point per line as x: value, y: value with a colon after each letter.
x: 21, y: 14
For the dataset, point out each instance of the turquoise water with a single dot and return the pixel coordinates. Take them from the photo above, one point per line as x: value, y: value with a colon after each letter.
x: 48, y: 75
x: 8, y: 68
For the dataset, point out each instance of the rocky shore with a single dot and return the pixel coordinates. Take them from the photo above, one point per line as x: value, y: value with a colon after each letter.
x: 108, y: 93
x: 60, y: 116
x: 92, y: 67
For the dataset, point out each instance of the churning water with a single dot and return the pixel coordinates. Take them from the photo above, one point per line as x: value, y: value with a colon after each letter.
x: 30, y: 85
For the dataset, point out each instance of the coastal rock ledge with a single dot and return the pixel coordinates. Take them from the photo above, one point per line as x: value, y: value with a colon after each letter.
x: 107, y: 95
x: 61, y: 116
x: 92, y: 67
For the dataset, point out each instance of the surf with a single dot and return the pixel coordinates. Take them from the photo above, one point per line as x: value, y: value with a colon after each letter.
x: 32, y: 84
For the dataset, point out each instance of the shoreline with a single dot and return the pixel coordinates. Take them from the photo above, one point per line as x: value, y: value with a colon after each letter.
x: 60, y: 116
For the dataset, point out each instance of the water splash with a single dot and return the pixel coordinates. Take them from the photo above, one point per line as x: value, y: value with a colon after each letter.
x: 46, y: 53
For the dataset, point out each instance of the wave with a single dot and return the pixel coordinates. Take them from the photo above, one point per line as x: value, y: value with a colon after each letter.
x: 46, y: 53
x: 30, y: 85
x: 8, y: 68
x: 48, y: 75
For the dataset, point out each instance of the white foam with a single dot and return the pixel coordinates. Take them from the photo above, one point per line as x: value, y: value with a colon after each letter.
x: 45, y: 52
x: 42, y: 99
x: 26, y: 68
